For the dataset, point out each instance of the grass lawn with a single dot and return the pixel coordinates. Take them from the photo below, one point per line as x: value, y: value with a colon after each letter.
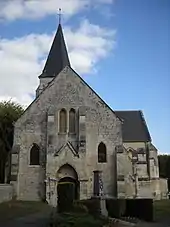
x: 14, y: 209
x: 162, y: 209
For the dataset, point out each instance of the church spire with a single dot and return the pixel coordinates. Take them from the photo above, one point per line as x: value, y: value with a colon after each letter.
x: 58, y: 55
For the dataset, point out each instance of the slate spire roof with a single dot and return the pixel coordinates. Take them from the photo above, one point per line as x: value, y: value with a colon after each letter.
x: 134, y: 128
x: 58, y: 56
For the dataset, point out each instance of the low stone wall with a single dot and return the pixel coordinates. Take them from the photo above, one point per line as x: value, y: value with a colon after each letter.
x: 6, y: 192
x: 145, y: 189
x: 164, y: 188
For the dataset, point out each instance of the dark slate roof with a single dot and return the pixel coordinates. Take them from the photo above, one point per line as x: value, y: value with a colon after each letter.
x: 58, y: 56
x: 134, y: 127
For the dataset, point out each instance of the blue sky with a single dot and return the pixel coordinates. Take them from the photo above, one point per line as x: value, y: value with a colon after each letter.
x: 125, y: 48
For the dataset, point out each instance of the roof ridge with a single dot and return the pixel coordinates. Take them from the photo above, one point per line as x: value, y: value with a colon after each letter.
x: 95, y: 93
x: 144, y: 122
x: 127, y: 110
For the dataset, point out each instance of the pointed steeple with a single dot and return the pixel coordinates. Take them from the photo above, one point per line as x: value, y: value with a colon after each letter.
x: 58, y: 56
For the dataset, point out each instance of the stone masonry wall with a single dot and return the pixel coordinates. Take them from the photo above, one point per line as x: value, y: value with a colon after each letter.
x: 125, y: 188
x: 69, y: 91
x: 43, y: 83
x: 154, y: 165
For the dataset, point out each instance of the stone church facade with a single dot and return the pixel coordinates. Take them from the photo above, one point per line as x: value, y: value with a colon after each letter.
x: 68, y: 131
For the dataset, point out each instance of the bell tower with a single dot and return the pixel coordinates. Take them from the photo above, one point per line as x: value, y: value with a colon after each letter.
x: 57, y: 60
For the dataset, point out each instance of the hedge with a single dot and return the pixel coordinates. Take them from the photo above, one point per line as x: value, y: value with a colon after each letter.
x: 116, y: 207
x: 140, y: 208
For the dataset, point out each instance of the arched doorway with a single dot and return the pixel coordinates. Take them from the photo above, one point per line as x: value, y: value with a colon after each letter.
x: 67, y: 187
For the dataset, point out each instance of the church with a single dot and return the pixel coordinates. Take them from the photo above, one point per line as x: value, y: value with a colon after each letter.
x: 68, y: 133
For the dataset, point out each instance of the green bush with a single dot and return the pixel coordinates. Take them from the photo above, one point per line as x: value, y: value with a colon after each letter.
x: 77, y: 220
x: 79, y: 207
x: 140, y: 208
x: 93, y: 206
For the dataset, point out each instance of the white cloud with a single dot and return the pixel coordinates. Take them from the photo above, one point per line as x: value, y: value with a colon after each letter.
x: 89, y: 44
x: 22, y: 59
x: 33, y: 9
x: 106, y: 1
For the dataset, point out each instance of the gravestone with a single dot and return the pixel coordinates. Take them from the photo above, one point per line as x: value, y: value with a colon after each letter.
x: 98, y: 191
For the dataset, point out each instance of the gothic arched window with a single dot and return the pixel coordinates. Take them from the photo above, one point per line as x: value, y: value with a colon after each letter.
x: 102, y: 155
x: 72, y: 121
x: 63, y: 121
x: 35, y: 155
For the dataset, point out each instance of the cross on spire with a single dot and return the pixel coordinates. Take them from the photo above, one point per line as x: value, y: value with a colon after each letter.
x: 59, y: 16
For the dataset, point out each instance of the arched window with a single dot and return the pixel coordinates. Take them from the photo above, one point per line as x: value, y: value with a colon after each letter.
x: 35, y: 155
x: 72, y: 121
x: 102, y: 155
x: 63, y: 121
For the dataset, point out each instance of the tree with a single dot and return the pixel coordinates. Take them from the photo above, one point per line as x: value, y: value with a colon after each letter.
x: 9, y: 113
x: 164, y: 166
x: 168, y: 167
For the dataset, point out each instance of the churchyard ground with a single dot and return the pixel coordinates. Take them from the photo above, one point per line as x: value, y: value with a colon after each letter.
x: 161, y: 215
x: 23, y: 213
x: 162, y: 211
